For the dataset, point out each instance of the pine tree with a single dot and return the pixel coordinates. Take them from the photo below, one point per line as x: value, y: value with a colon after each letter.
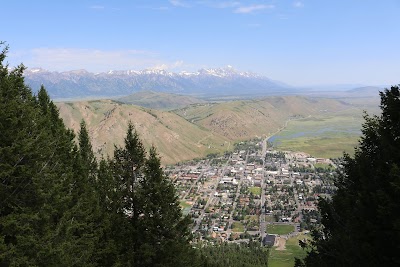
x: 86, y: 152
x: 361, y: 224
x: 107, y: 252
x: 163, y: 232
x: 46, y: 206
x: 127, y: 166
x: 84, y: 218
x: 152, y: 231
x: 17, y: 157
x: 233, y: 255
x: 35, y: 157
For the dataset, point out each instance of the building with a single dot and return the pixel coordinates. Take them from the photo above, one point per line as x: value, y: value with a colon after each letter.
x: 269, y: 240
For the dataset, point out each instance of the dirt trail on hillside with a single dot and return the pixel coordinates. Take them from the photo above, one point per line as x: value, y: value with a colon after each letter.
x: 281, y: 243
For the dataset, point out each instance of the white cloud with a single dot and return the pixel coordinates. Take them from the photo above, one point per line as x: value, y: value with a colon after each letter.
x: 252, y: 8
x: 63, y: 59
x: 178, y: 3
x: 298, y: 4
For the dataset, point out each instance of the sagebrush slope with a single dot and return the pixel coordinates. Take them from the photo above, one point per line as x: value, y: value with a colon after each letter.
x: 175, y: 138
x: 193, y: 131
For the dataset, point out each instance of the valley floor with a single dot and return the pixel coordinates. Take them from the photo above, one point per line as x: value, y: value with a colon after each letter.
x: 254, y: 193
x: 325, y: 135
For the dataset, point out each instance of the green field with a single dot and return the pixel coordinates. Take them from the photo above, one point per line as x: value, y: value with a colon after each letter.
x: 255, y: 190
x: 237, y: 227
x: 279, y: 229
x: 326, y: 136
x: 323, y: 166
x: 285, y: 258
x: 184, y: 204
x: 185, y: 207
x: 269, y: 218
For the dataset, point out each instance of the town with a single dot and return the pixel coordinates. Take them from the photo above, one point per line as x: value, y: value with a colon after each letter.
x: 253, y: 193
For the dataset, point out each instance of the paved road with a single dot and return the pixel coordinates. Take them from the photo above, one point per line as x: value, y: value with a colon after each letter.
x: 211, y: 196
x: 298, y: 206
x: 262, y: 215
x: 195, y: 181
x: 236, y: 199
x: 230, y: 222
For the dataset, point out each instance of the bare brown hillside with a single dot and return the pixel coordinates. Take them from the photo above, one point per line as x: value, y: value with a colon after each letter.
x: 193, y: 131
x: 240, y: 120
x: 175, y: 138
x: 159, y: 100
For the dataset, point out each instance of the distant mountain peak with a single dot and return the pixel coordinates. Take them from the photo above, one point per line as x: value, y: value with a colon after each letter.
x: 35, y: 71
x: 206, y: 82
x: 227, y: 71
x: 79, y: 72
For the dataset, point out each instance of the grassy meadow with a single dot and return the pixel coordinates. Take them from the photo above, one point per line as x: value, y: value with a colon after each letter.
x: 237, y: 227
x: 285, y: 257
x: 255, y: 190
x: 279, y: 229
x: 326, y: 136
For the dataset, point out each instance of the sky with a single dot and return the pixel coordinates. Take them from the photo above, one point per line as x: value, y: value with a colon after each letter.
x: 302, y: 43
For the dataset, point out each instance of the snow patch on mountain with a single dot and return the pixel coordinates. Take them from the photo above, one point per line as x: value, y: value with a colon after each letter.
x: 204, y: 82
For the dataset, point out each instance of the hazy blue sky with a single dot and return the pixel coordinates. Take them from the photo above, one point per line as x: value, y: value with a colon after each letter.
x: 299, y: 42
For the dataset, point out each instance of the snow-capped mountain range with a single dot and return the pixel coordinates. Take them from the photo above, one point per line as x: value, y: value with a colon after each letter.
x: 205, y: 82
